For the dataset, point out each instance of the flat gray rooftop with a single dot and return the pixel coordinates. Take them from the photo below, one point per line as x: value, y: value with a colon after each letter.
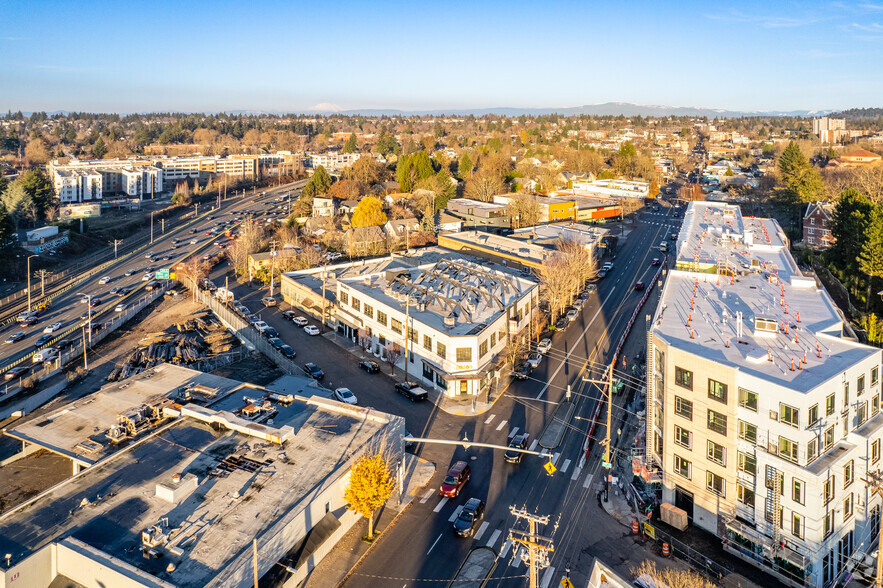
x: 109, y: 505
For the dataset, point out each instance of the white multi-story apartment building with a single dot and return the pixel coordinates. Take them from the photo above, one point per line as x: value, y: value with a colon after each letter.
x: 615, y: 188
x: 333, y: 160
x: 77, y: 185
x: 764, y: 411
x: 459, y: 318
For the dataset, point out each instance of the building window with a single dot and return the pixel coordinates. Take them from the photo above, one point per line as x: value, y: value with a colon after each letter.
x: 812, y: 449
x: 829, y: 523
x: 441, y: 350
x: 747, y: 463
x: 493, y: 340
x: 828, y: 491
x: 464, y: 354
x: 748, y: 399
x: 395, y: 325
x: 829, y: 437
x: 716, y: 453
x: 412, y: 335
x: 357, y: 306
x: 748, y: 432
x: 717, y: 391
x: 745, y: 495
x: 682, y: 467
x: 861, y: 413
x: 875, y: 375
x: 848, y: 473
x: 875, y: 405
x: 683, y: 437
x: 427, y: 342
x: 684, y: 378
x: 482, y: 349
x: 369, y: 311
x: 875, y: 451
x: 715, y: 483
x: 717, y: 422
x: 797, y: 491
x: 829, y: 405
x: 381, y: 317
x: 847, y: 507
x: 789, y: 415
x: 683, y: 408
x: 796, y: 521
x: 344, y: 297
x: 860, y: 385
x: 845, y: 395
x: 788, y: 449
x: 813, y: 414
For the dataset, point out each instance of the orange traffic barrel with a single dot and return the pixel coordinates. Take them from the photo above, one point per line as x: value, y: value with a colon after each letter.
x: 665, y: 550
x: 635, y: 527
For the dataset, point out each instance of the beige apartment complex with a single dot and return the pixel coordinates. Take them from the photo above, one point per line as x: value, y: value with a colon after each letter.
x: 763, y: 410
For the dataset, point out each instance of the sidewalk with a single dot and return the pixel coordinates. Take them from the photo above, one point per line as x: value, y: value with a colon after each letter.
x: 460, y: 406
x: 336, y: 567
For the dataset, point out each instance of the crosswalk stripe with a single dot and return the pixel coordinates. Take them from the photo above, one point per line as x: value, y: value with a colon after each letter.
x: 481, y: 530
x: 489, y: 419
x: 534, y: 444
x: 501, y: 425
x: 565, y: 466
x: 517, y: 561
x: 588, y: 480
x: 555, y: 458
x: 428, y: 495
x: 494, y: 536
x: 576, y: 472
x: 441, y: 504
x: 513, y: 432
x: 454, y: 516
x: 547, y: 577
x: 506, y: 547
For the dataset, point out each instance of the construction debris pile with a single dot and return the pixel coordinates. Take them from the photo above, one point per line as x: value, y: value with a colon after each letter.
x: 199, y: 337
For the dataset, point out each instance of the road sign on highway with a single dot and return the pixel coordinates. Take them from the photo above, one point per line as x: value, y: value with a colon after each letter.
x: 162, y: 274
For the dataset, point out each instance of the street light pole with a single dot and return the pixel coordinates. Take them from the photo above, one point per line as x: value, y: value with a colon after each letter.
x: 151, y: 227
x: 89, y: 311
x: 29, y: 279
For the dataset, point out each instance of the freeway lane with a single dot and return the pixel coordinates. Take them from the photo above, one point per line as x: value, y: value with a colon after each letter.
x: 423, y: 534
x: 67, y: 309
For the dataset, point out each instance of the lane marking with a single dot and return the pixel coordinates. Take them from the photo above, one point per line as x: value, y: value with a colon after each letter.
x: 494, y: 536
x: 534, y: 444
x: 489, y: 419
x: 427, y: 496
x: 441, y: 504
x: 454, y: 516
x: 576, y: 472
x: 565, y: 466
x: 588, y: 481
x: 481, y: 530
x: 506, y: 547
x: 555, y: 458
x: 501, y: 425
x: 513, y: 432
x: 436, y: 541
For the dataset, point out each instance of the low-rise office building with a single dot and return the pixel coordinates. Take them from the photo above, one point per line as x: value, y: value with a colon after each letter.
x: 615, y: 188
x: 551, y: 209
x: 520, y: 254
x: 480, y: 216
x: 763, y: 409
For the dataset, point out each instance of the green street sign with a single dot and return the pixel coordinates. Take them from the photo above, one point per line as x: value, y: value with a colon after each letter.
x: 605, y: 464
x: 162, y: 274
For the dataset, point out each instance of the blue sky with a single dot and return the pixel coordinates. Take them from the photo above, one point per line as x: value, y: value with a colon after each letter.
x: 193, y: 55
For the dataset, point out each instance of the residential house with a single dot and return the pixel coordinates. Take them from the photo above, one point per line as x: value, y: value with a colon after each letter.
x: 397, y: 230
x: 323, y: 206
x: 482, y: 216
x: 817, y: 225
x: 365, y: 240
x: 854, y: 158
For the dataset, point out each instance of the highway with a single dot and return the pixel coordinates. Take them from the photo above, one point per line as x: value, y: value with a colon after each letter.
x: 69, y: 312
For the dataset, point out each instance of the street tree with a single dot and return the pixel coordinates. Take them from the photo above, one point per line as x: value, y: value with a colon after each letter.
x: 524, y: 210
x: 556, y: 284
x: 250, y: 240
x: 371, y: 483
x: 193, y: 272
x: 369, y: 213
x: 581, y: 263
x: 392, y: 354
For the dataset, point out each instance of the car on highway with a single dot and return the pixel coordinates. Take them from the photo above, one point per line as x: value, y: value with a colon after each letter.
x: 314, y: 371
x: 369, y: 366
x: 345, y: 395
x: 14, y: 373
x: 114, y: 291
x: 124, y: 291
x: 131, y: 271
x: 456, y: 478
x: 311, y: 330
x: 300, y: 321
x: 104, y: 280
x: 411, y: 391
x: 147, y: 277
x: 518, y: 442
x: 15, y: 337
x: 194, y: 241
x: 544, y: 345
x: 47, y: 354
x: 523, y: 371
x: 149, y: 254
x: 534, y: 359
x: 469, y: 517
x: 94, y: 302
x: 120, y: 307
x: 655, y: 261
x: 639, y: 285
x: 276, y: 342
x: 43, y: 340
x: 287, y: 351
x: 52, y: 328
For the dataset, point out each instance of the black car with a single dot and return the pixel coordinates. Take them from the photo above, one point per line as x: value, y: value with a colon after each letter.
x: 29, y: 321
x: 287, y: 351
x: 43, y: 340
x: 562, y: 323
x: 411, y: 391
x: 61, y: 345
x: 270, y: 333
x: 276, y: 342
x: 124, y: 291
x: 15, y: 372
x: 370, y: 366
x: 523, y: 371
x: 518, y: 442
x: 314, y: 371
x: 288, y: 315
x: 469, y: 517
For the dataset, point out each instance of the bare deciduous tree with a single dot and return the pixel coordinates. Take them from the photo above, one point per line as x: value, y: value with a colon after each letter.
x: 672, y: 577
x: 393, y: 352
x: 524, y: 210
x: 483, y: 186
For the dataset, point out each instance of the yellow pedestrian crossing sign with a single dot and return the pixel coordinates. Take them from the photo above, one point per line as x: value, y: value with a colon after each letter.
x: 566, y: 583
x: 550, y: 467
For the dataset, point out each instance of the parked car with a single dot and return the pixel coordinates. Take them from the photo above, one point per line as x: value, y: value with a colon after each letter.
x: 270, y: 332
x: 534, y: 359
x: 345, y: 395
x: 411, y: 391
x: 276, y: 342
x: 518, y: 442
x: 314, y: 371
x: 572, y: 314
x: 523, y: 371
x: 288, y: 315
x: 52, y: 328
x: 261, y: 326
x: 300, y: 321
x: 287, y: 351
x: 544, y: 345
x: 104, y: 280
x: 43, y: 340
x: 17, y: 336
x: 469, y: 517
x: 14, y: 373
x: 369, y: 366
x: 311, y: 330
x: 458, y: 475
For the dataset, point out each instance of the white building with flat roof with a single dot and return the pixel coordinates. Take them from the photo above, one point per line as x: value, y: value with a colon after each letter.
x: 763, y: 410
x: 614, y: 188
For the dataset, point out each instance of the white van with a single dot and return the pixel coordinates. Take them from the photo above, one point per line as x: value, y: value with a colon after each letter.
x: 663, y: 246
x: 47, y: 354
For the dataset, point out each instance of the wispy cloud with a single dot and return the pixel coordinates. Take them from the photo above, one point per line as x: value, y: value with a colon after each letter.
x: 868, y: 28
x: 872, y: 7
x: 13, y: 39
x: 766, y: 21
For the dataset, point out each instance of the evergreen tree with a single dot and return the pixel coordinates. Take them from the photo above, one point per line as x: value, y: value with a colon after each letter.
x: 99, y: 150
x: 7, y: 227
x: 800, y: 180
x: 351, y: 146
x: 870, y: 260
x: 40, y: 189
x: 849, y: 223
x: 428, y: 220
x: 320, y: 182
x: 464, y: 169
x: 386, y: 143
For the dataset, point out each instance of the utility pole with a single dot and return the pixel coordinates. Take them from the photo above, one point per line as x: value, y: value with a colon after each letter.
x: 606, y: 442
x: 42, y: 273
x: 196, y: 214
x: 272, y: 263
x: 151, y: 227
x: 407, y: 332
x: 85, y: 361
x: 538, y: 547
x: 874, y: 481
x: 254, y: 547
x: 116, y: 243
x: 28, y: 262
x: 324, y: 279
x: 162, y: 223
